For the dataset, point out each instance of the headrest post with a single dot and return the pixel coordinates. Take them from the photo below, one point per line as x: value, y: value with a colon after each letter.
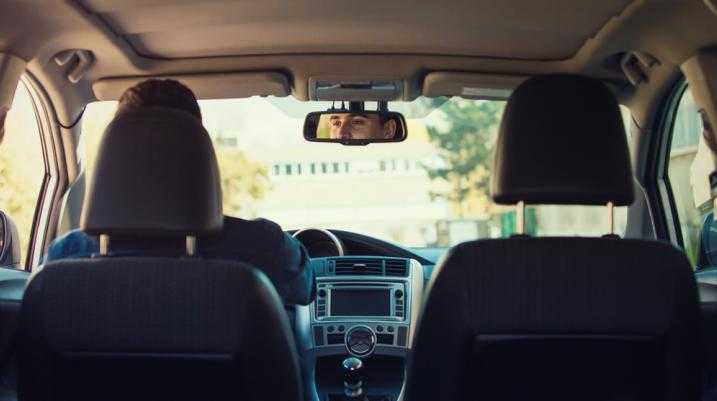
x: 520, y: 218
x: 191, y: 245
x: 611, y: 218
x: 104, y: 244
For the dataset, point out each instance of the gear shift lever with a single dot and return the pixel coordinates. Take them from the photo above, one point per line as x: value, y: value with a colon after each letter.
x: 353, y: 380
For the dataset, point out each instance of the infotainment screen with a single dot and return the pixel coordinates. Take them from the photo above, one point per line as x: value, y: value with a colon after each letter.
x: 360, y: 302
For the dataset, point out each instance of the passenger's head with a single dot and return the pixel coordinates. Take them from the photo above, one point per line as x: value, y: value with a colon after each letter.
x: 357, y: 125
x: 159, y: 92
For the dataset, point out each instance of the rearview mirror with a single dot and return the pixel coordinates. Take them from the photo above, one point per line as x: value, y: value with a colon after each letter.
x: 355, y: 127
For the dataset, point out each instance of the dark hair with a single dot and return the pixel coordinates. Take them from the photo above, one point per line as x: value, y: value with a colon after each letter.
x: 159, y: 92
x: 384, y: 117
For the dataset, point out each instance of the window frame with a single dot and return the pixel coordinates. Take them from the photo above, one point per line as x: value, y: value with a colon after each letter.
x: 53, y: 157
x: 667, y: 203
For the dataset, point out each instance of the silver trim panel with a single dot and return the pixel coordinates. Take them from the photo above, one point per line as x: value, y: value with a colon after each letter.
x: 412, y: 286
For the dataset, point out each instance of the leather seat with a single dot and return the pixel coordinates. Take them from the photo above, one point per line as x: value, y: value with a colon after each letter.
x: 148, y: 328
x: 559, y: 318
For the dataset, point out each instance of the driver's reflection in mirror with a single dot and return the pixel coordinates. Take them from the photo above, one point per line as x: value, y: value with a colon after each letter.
x: 360, y: 126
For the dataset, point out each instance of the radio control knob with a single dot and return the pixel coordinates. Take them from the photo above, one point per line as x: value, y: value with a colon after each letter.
x: 322, y: 293
x: 398, y: 294
x: 360, y: 341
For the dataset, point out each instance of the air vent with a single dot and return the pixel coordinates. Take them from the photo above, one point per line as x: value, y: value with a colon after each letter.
x: 359, y: 267
x: 396, y: 267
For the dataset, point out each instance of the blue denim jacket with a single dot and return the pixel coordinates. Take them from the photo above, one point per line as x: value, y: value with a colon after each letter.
x: 260, y: 243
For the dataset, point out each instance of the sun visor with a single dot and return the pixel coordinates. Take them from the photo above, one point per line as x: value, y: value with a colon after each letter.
x: 206, y: 86
x: 699, y: 73
x: 470, y: 85
x: 11, y: 68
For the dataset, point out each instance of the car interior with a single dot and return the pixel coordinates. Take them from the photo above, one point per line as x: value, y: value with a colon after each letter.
x: 374, y: 201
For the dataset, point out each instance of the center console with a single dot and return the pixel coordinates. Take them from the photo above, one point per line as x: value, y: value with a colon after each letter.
x: 366, y: 307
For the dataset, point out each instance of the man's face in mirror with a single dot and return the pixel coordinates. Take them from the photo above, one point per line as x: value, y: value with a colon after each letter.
x: 361, y: 126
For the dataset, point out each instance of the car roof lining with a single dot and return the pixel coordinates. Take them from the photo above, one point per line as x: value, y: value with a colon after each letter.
x: 518, y: 29
x: 36, y: 31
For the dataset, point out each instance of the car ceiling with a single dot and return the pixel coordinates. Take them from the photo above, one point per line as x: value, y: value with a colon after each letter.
x: 533, y: 30
x: 363, y: 40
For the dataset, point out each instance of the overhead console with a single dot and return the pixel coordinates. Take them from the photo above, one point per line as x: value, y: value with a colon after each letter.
x: 342, y: 88
x: 365, y: 305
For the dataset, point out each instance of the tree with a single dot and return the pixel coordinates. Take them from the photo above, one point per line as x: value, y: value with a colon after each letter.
x: 465, y: 134
x: 244, y: 181
x: 18, y: 196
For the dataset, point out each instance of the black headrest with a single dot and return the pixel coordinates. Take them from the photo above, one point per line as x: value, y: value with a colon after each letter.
x: 562, y: 141
x: 155, y: 174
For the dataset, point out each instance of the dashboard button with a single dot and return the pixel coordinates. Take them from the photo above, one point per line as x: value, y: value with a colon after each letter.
x: 330, y: 329
x: 379, y: 328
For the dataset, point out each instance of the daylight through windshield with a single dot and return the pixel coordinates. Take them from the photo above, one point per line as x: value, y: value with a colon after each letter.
x: 432, y: 190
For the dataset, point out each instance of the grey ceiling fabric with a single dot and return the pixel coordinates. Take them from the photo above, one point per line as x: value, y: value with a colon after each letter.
x: 539, y: 29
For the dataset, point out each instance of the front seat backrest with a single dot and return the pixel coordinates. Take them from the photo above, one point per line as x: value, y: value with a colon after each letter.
x: 560, y: 318
x: 148, y: 328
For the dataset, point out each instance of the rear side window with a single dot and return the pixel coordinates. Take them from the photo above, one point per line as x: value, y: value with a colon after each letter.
x: 22, y: 166
x: 689, y: 165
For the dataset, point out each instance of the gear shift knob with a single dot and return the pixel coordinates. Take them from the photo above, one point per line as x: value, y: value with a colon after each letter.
x: 352, y: 370
x: 352, y: 367
x: 352, y: 363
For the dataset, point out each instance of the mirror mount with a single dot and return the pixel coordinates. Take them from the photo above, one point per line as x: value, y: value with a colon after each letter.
x: 337, y: 109
x: 357, y: 106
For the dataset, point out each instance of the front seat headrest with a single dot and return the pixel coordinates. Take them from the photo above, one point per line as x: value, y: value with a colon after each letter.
x: 562, y: 141
x: 155, y: 174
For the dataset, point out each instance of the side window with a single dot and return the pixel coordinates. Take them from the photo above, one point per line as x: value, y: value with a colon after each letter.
x: 22, y: 167
x: 689, y: 165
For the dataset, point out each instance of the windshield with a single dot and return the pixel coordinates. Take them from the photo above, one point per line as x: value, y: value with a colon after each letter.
x: 429, y: 191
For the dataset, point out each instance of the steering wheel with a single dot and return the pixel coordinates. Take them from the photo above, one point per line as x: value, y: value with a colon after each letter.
x: 320, y: 242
